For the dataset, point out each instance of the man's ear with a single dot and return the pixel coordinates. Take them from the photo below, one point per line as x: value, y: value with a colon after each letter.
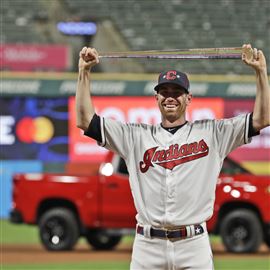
x: 189, y: 99
x: 156, y: 96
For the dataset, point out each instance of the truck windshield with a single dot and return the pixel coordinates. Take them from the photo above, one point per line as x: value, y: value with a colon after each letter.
x: 122, y: 167
x: 232, y: 167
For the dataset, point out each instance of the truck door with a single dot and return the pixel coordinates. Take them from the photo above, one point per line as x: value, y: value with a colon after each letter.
x: 117, y: 207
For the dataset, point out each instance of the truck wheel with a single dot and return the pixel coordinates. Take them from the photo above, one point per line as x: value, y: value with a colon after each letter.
x: 267, y: 236
x: 58, y: 229
x: 241, y: 231
x: 100, y: 240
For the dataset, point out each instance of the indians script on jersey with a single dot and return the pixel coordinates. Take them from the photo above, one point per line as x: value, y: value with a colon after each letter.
x: 174, y: 156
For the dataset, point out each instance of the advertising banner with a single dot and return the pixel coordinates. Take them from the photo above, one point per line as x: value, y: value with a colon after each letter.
x: 133, y: 110
x: 7, y: 170
x: 51, y: 84
x: 33, y: 128
x: 31, y: 57
x: 259, y: 148
x: 56, y: 87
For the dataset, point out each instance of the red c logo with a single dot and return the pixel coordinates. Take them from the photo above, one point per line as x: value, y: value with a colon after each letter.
x: 171, y: 75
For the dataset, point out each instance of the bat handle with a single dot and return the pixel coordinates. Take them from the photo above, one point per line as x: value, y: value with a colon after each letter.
x: 248, y: 52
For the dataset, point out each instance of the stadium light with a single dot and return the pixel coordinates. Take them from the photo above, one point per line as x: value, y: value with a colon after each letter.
x: 77, y: 28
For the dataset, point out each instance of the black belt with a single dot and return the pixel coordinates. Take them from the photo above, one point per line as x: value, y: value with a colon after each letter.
x: 179, y: 233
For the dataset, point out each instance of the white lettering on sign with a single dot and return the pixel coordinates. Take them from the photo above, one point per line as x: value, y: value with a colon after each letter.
x: 151, y: 115
x: 133, y: 115
x: 200, y: 114
x: 108, y: 88
x: 97, y: 87
x: 199, y: 89
x: 24, y: 54
x: 143, y: 115
x: 20, y: 86
x: 241, y: 89
x: 149, y: 88
x: 81, y: 148
x: 113, y: 113
x: 68, y: 87
x: 6, y: 124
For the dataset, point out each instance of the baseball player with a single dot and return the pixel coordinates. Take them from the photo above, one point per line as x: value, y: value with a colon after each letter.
x: 173, y: 166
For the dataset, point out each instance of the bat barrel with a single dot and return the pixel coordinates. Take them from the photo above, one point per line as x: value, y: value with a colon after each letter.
x: 160, y: 56
x: 199, y: 53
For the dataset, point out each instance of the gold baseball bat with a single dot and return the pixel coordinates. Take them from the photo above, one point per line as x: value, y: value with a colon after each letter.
x: 196, y: 53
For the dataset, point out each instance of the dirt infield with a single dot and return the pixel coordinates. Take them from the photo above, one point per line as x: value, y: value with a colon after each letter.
x: 24, y: 254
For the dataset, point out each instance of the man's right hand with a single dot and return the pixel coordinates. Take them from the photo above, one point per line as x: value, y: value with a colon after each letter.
x: 88, y: 58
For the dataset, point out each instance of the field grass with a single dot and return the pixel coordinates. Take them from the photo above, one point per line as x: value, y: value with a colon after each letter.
x: 22, y: 234
x: 220, y: 264
x: 242, y: 264
x: 27, y: 234
x: 72, y: 266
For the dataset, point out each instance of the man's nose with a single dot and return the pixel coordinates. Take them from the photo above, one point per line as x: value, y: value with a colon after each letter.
x: 170, y: 97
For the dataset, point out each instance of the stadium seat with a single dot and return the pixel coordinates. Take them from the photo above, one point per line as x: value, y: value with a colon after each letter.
x: 158, y: 24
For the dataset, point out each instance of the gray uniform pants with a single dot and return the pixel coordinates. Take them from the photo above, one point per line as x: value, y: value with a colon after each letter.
x: 161, y: 254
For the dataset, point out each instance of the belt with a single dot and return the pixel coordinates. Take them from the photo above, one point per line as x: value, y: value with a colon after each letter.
x: 173, y: 234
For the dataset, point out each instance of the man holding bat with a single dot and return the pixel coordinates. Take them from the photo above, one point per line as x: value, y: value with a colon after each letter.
x: 173, y: 166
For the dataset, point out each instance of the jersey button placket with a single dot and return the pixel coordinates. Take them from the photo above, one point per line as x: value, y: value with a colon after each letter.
x: 170, y: 197
x: 170, y: 194
x: 171, y: 184
x: 167, y: 181
x: 169, y: 189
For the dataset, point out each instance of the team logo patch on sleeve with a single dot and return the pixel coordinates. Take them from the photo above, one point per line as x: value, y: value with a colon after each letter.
x: 173, y: 156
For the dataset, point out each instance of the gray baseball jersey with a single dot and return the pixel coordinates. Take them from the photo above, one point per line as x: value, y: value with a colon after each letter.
x: 173, y: 176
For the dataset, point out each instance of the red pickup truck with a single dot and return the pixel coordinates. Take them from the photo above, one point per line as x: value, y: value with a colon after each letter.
x: 100, y: 207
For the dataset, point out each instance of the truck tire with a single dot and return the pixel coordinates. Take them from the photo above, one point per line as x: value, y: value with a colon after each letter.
x: 267, y: 236
x: 58, y: 229
x: 241, y: 231
x: 100, y: 240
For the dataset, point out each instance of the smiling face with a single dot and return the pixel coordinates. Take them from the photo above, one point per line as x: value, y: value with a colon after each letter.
x: 172, y: 102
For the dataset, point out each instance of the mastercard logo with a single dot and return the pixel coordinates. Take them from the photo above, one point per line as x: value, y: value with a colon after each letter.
x: 34, y: 130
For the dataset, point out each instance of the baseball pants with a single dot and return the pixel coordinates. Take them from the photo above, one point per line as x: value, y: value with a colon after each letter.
x: 161, y: 254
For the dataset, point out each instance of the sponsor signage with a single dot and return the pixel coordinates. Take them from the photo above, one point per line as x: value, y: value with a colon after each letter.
x: 106, y: 84
x: 132, y: 110
x: 32, y: 128
x: 45, y: 128
x: 31, y: 57
x: 56, y: 88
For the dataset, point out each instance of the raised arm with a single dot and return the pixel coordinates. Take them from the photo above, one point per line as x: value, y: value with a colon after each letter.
x: 84, y: 106
x: 261, y: 111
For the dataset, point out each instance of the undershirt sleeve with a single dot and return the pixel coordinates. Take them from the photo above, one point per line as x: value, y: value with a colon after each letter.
x: 251, y: 131
x: 94, y: 130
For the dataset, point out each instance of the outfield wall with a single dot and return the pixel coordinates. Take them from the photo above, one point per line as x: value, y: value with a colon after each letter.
x: 124, y: 84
